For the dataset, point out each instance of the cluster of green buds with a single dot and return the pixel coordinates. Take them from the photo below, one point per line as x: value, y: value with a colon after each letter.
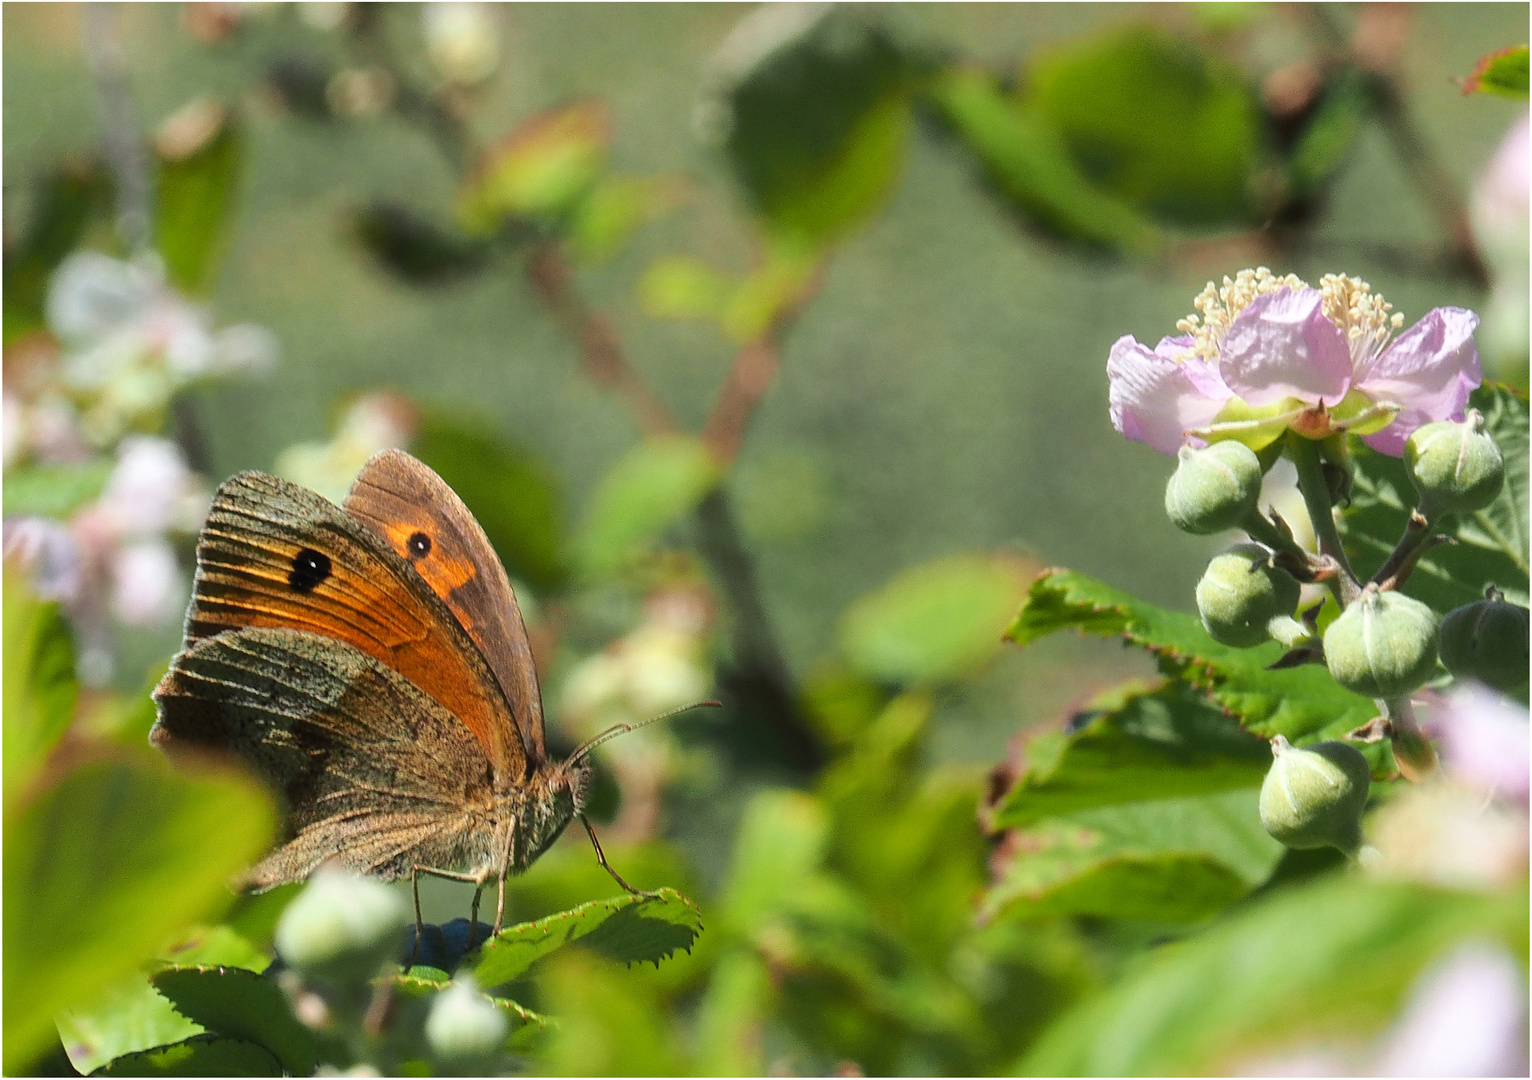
x: 1382, y: 644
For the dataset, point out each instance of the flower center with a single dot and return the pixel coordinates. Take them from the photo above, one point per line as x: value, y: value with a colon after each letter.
x: 1362, y: 315
x: 1219, y: 306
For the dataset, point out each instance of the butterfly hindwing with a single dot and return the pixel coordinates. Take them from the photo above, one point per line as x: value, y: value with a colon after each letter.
x: 374, y: 772
x: 274, y: 554
x: 413, y: 510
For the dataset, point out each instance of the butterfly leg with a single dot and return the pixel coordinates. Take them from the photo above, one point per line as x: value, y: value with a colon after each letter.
x: 450, y: 875
x: 601, y: 858
x: 473, y: 915
x: 500, y: 907
x: 419, y: 925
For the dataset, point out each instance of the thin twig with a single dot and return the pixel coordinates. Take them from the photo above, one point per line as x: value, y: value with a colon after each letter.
x: 126, y: 153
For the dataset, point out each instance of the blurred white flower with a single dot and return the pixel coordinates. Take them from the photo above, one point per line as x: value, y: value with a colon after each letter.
x: 49, y: 552
x: 151, y: 490
x: 461, y: 41
x: 378, y: 421
x: 1485, y: 740
x: 147, y: 584
x: 1466, y: 1016
x: 132, y: 341
x: 1500, y: 221
x: 1445, y: 834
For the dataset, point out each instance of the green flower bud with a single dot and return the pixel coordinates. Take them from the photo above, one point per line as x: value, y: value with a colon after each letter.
x: 341, y: 929
x: 464, y: 1026
x: 1487, y: 640
x: 1313, y: 796
x: 1214, y: 488
x: 1240, y: 593
x: 1383, y: 645
x: 1456, y: 467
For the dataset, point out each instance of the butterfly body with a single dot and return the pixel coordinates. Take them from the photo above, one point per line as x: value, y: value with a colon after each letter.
x: 370, y: 663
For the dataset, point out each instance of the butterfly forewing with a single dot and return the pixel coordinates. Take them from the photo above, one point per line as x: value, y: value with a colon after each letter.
x: 274, y: 554
x: 413, y: 510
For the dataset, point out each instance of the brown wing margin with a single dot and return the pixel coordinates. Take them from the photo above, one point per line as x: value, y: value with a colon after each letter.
x: 402, y: 500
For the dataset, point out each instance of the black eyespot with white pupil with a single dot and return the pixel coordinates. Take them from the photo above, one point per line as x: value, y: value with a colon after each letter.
x: 419, y: 545
x: 310, y: 567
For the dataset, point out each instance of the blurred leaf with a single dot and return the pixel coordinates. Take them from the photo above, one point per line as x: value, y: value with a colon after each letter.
x: 203, y: 1055
x: 416, y: 250
x: 1164, y: 743
x: 1171, y: 130
x: 650, y: 488
x: 1502, y: 73
x: 613, y: 210
x: 604, y: 1028
x: 103, y: 866
x: 934, y: 622
x: 840, y: 701
x: 54, y: 491
x: 241, y: 1005
x: 216, y: 946
x: 67, y: 200
x: 1029, y: 163
x: 200, y: 151
x: 542, y: 170
x: 629, y: 928
x: 513, y: 493
x: 254, y: 915
x: 1328, y: 135
x: 779, y: 845
x: 681, y: 287
x: 40, y: 687
x: 775, y: 285
x: 1166, y: 860
x: 1302, y: 703
x: 814, y: 123
x: 1332, y: 961
x: 1491, y: 544
x: 731, y: 1016
x: 128, y: 1017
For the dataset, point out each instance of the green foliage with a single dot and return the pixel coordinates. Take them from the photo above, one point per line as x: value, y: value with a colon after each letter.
x: 200, y: 161
x: 1031, y: 166
x: 1328, y: 135
x: 40, y: 687
x: 1172, y: 131
x: 629, y: 929
x: 512, y: 492
x: 1302, y: 703
x: 649, y: 489
x: 126, y: 1018
x: 241, y: 1005
x: 1331, y: 960
x: 1503, y: 74
x: 815, y: 127
x: 201, y: 1055
x: 54, y: 491
x: 68, y: 199
x: 414, y: 248
x: 541, y: 171
x: 101, y: 866
x: 1491, y: 546
x: 933, y: 622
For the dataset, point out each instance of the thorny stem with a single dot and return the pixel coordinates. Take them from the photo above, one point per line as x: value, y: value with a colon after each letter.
x: 1316, y: 497
x: 1413, y: 752
x: 126, y: 154
x: 1419, y: 536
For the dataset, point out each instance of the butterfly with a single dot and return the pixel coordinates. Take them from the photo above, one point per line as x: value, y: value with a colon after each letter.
x: 370, y: 663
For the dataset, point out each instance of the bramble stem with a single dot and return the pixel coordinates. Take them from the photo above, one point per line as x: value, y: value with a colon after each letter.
x: 1305, y: 454
x: 1413, y: 752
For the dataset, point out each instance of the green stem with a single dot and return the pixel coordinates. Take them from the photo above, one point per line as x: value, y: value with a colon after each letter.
x: 1305, y: 454
x: 1413, y: 752
x: 1418, y: 532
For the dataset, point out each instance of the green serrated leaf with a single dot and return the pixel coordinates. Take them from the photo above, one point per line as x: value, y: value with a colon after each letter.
x: 1503, y: 74
x: 648, y: 928
x: 216, y: 946
x: 202, y: 1055
x: 1301, y: 703
x: 513, y: 493
x: 241, y: 1005
x: 1031, y: 166
x: 54, y: 491
x: 104, y: 864
x: 1491, y: 546
x: 201, y: 151
x: 934, y: 622
x: 650, y: 488
x: 39, y: 678
x: 1332, y: 960
x: 1167, y: 860
x: 128, y: 1017
x: 1166, y: 743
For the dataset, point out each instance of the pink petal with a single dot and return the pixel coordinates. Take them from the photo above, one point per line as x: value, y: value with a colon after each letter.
x: 1154, y: 398
x: 1282, y: 346
x: 1429, y: 370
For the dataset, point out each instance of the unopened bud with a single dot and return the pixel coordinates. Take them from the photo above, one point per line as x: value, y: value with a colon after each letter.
x: 341, y: 928
x: 1313, y: 796
x: 1241, y: 593
x: 1487, y: 640
x: 1214, y: 488
x: 1456, y: 467
x: 464, y: 1026
x: 1383, y: 645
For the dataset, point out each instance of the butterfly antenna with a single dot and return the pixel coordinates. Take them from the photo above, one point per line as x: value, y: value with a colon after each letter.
x: 610, y: 733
